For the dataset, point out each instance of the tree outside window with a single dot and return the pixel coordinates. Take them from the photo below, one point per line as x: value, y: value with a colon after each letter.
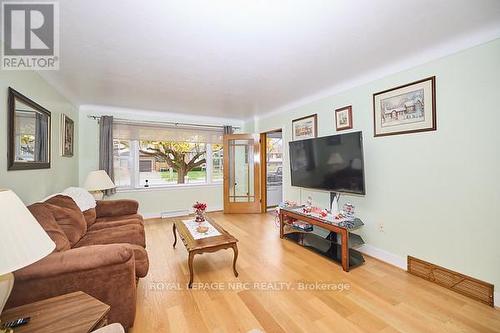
x: 182, y: 160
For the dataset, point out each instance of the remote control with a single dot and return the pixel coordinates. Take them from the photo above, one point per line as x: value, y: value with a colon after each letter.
x: 16, y: 323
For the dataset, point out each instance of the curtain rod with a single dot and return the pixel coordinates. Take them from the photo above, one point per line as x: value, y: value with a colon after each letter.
x: 121, y: 120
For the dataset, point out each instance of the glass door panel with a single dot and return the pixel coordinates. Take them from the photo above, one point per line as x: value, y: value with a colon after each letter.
x: 240, y: 190
x: 241, y: 171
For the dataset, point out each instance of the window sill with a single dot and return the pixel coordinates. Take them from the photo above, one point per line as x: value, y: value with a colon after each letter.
x: 167, y: 187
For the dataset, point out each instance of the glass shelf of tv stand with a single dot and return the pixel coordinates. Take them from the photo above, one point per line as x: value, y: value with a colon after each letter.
x: 350, y: 225
x: 354, y: 239
x: 325, y: 247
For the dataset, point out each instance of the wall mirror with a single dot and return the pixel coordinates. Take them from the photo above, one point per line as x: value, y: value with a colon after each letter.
x: 29, y: 133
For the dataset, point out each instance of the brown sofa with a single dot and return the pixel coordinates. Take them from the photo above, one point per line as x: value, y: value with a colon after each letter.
x: 100, y: 251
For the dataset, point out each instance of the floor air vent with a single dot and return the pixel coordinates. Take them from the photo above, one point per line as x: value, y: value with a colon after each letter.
x: 463, y: 284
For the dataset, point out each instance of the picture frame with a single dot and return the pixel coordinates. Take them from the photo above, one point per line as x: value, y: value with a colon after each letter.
x: 67, y: 136
x: 305, y: 127
x: 343, y: 118
x: 410, y: 108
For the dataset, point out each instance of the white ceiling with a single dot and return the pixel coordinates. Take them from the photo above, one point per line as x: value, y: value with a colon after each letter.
x: 239, y: 59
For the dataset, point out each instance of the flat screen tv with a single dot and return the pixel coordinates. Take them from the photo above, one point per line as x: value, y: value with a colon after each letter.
x: 332, y: 163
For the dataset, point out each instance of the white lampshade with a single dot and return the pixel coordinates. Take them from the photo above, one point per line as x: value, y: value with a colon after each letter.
x: 23, y: 240
x: 98, y: 181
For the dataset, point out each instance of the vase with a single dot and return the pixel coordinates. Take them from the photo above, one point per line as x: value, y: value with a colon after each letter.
x: 199, y: 215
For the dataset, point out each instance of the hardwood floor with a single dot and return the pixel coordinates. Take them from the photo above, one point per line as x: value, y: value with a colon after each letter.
x: 381, y: 298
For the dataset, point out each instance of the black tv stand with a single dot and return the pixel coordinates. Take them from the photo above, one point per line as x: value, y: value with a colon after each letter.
x: 337, y: 246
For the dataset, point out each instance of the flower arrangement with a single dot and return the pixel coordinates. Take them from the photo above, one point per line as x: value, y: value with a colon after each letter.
x: 199, y: 210
x: 200, y: 206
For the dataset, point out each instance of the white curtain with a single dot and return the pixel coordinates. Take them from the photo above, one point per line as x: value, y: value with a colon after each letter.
x: 154, y: 132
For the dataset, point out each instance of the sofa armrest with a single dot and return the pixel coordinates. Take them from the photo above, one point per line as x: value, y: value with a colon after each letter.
x: 106, y: 272
x: 107, y: 208
x: 75, y: 260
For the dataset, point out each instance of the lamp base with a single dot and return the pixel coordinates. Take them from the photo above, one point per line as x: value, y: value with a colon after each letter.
x: 98, y: 195
x: 6, y: 284
x: 334, y: 203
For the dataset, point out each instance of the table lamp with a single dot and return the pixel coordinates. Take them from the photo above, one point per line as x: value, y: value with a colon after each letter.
x: 23, y: 242
x: 98, y: 181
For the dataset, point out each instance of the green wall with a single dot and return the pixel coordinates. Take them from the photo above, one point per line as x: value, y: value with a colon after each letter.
x: 435, y: 194
x: 34, y: 185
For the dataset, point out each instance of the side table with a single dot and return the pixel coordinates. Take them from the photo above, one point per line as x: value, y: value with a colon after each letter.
x: 70, y: 313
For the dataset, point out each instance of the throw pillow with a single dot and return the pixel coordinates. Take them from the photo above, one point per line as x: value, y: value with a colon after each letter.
x: 44, y: 216
x: 69, y: 217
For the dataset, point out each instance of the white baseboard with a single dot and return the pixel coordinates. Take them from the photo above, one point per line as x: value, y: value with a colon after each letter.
x: 383, y: 255
x: 496, y: 299
x: 174, y: 213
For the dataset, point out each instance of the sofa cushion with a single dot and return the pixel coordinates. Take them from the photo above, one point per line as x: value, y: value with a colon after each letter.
x: 90, y: 216
x: 119, y: 218
x: 68, y: 216
x: 116, y: 207
x: 132, y: 234
x: 111, y: 224
x: 44, y: 216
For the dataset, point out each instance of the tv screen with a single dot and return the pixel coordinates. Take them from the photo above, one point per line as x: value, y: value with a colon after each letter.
x: 333, y: 163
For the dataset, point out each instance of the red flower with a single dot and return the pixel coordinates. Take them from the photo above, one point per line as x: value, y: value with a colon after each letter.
x: 200, y: 205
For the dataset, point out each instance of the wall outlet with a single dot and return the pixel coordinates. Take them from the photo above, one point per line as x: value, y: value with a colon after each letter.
x: 381, y: 227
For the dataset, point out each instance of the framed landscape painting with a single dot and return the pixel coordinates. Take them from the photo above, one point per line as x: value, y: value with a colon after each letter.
x: 67, y: 136
x: 409, y: 108
x: 343, y: 118
x: 305, y: 128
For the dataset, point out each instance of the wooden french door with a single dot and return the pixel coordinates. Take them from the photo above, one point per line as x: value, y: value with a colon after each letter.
x: 241, y: 173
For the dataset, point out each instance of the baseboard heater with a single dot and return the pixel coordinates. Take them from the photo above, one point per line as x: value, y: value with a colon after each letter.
x: 174, y: 213
x: 460, y: 283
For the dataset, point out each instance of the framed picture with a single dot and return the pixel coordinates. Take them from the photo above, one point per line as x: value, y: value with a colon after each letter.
x: 406, y: 109
x: 67, y: 136
x: 305, y: 128
x: 343, y: 118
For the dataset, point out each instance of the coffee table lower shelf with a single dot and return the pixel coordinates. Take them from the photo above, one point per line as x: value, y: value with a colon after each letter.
x: 325, y: 247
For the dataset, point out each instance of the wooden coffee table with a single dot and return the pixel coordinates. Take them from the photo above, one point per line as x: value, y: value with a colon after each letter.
x: 204, y: 245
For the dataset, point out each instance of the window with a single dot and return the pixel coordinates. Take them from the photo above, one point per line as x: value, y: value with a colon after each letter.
x: 217, y: 163
x: 155, y: 156
x: 122, y: 163
x: 24, y: 136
